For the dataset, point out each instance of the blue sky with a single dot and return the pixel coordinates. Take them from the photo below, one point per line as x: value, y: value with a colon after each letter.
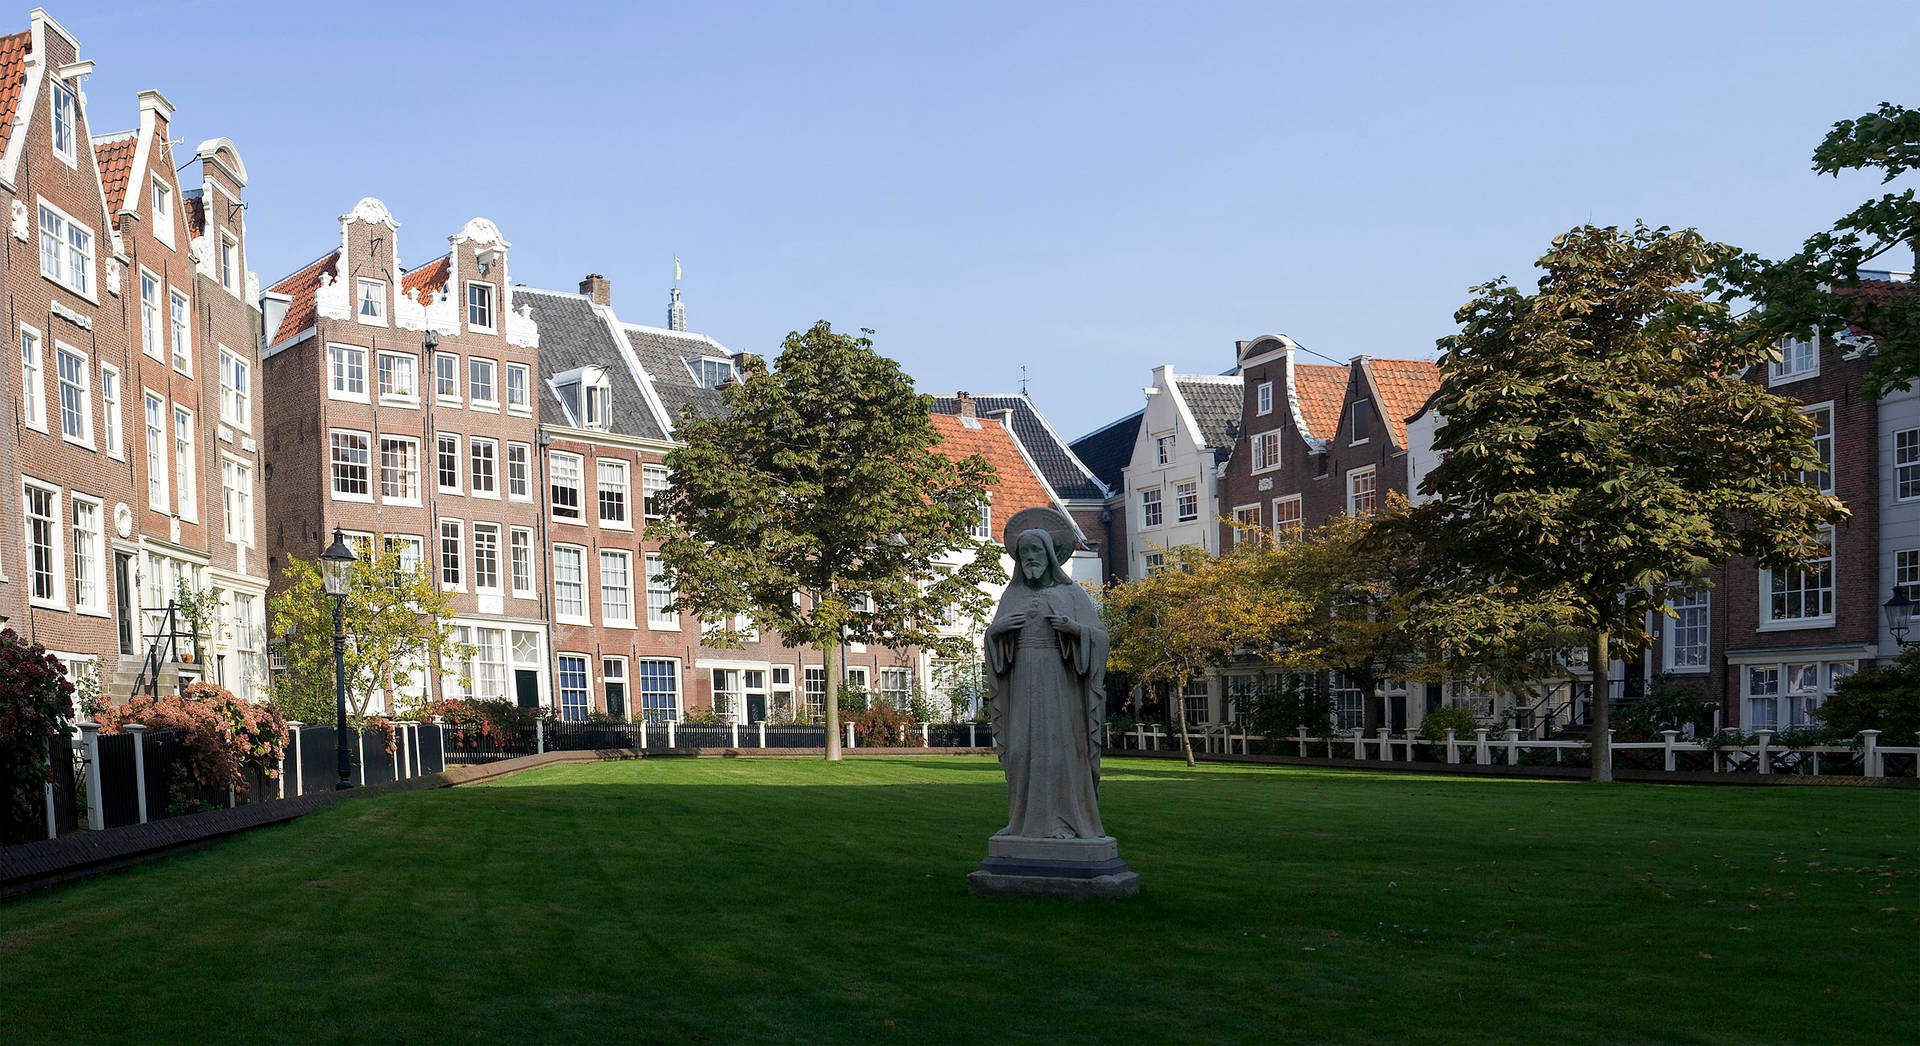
x: 1086, y: 190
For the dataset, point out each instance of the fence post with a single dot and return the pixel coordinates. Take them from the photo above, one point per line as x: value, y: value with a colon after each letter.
x: 1301, y: 740
x: 850, y: 741
x: 540, y: 737
x: 1453, y: 747
x: 402, y: 754
x: 926, y: 736
x: 1139, y: 738
x: 139, y: 766
x: 1386, y: 745
x: 1766, y: 757
x: 670, y: 739
x: 1359, y: 744
x: 1666, y: 747
x: 735, y: 734
x: 973, y: 735
x: 763, y: 733
x: 90, y: 737
x: 442, y: 734
x: 299, y: 772
x: 1480, y: 746
x: 1869, y: 745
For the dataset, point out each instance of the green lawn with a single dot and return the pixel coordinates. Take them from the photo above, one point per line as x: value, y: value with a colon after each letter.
x: 723, y: 900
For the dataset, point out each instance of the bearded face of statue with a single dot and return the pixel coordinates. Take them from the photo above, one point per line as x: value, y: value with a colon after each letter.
x: 1033, y: 560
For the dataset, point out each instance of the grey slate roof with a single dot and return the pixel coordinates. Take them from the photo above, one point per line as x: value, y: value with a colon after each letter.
x: 575, y: 334
x: 1108, y: 449
x: 664, y: 354
x: 1058, y: 465
x: 1215, y: 405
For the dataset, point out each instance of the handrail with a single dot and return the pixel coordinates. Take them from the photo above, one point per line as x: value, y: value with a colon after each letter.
x: 168, y: 633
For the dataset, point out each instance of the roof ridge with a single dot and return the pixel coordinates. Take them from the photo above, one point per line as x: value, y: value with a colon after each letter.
x: 333, y: 252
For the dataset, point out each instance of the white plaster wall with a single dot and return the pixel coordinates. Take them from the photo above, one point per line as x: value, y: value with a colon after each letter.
x: 1899, y: 520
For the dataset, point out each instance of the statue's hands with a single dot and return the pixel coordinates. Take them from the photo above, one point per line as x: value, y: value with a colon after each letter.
x: 1065, y: 625
x: 1010, y: 623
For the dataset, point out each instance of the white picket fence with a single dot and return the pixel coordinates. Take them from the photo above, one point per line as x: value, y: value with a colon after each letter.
x: 1507, y: 749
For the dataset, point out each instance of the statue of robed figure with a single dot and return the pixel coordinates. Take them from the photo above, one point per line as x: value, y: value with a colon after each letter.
x: 1046, y: 658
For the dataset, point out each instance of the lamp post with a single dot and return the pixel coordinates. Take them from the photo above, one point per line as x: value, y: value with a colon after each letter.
x: 1899, y: 613
x: 336, y: 571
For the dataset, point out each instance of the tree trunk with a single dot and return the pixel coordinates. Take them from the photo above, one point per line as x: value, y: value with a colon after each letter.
x: 1179, y: 705
x: 830, y: 656
x: 1599, y: 709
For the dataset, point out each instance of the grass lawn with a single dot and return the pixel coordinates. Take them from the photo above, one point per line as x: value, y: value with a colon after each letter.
x: 723, y: 900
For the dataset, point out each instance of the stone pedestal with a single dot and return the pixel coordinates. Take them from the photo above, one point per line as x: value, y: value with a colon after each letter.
x: 1055, y: 867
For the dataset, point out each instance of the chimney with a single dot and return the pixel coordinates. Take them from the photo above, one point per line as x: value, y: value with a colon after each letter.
x: 965, y: 400
x: 597, y: 287
x: 676, y: 313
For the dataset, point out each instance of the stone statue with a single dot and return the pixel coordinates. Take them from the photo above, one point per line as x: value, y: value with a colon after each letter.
x: 1046, y: 657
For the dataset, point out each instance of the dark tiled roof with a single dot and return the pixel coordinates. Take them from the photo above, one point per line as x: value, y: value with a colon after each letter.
x: 13, y: 78
x: 664, y: 354
x: 1063, y: 471
x: 1108, y: 449
x: 115, y: 157
x: 573, y: 334
x: 1215, y: 405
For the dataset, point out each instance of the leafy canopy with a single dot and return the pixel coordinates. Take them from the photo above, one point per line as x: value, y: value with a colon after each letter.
x: 1819, y: 288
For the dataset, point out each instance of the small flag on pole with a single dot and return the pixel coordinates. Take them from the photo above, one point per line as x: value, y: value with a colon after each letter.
x: 676, y: 268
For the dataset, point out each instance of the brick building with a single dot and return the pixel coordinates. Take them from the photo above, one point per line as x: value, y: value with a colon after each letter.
x: 404, y: 412
x: 134, y: 402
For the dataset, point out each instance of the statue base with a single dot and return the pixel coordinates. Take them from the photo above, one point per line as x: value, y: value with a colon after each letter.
x: 1053, y: 867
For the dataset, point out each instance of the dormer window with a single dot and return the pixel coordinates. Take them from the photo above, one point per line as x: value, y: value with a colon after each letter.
x: 163, y: 212
x: 1361, y: 425
x: 372, y: 296
x: 588, y: 393
x: 599, y: 405
x: 65, y: 119
x: 710, y: 372
x: 480, y: 306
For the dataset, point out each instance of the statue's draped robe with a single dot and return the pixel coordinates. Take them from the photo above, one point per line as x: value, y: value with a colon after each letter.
x: 1046, y: 696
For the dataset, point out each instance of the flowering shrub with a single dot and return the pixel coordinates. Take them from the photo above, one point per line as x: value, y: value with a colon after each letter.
x: 224, y: 737
x: 378, y: 726
x: 467, y: 722
x: 36, y: 703
x: 880, y: 725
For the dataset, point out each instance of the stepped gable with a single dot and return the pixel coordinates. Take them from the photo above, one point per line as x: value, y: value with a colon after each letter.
x: 1320, y: 390
x: 114, y: 154
x: 1018, y: 487
x: 1107, y: 449
x: 663, y: 354
x: 1404, y: 387
x: 574, y: 334
x: 1069, y: 477
x: 300, y: 287
x: 1215, y: 403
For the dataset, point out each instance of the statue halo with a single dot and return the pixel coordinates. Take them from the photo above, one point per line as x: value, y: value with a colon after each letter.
x: 1053, y: 521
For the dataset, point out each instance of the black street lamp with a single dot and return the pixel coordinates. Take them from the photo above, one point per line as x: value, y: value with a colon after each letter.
x: 336, y: 571
x: 1899, y: 612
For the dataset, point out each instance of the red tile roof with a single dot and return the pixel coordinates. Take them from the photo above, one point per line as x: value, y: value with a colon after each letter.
x: 13, y: 77
x: 300, y: 287
x: 115, y: 157
x: 1404, y: 387
x: 1019, y: 486
x: 1322, y: 392
x: 427, y: 278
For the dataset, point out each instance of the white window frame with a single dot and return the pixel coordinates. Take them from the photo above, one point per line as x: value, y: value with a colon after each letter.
x: 1906, y: 571
x: 520, y: 487
x: 56, y: 524
x: 227, y: 264
x: 1153, y: 509
x: 611, y: 616
x: 560, y: 690
x: 339, y: 372
x: 1183, y: 491
x: 67, y: 259
x: 519, y: 550
x: 92, y: 545
x: 403, y: 363
x: 1697, y: 599
x: 455, y: 556
x: 1165, y: 448
x: 459, y: 464
x: 1263, y: 398
x: 656, y: 478
x: 113, y: 433
x: 333, y: 476
x: 638, y: 689
x: 1371, y: 472
x: 82, y: 391
x: 153, y: 338
x: 626, y: 496
x: 33, y: 378
x: 608, y: 679
x: 1769, y: 623
x: 1781, y: 372
x: 64, y: 105
x: 158, y: 449
x: 661, y: 620
x: 492, y: 402
x: 493, y: 529
x: 1906, y: 465
x: 1296, y: 518
x: 236, y: 390
x: 1354, y: 439
x: 452, y: 399
x: 560, y: 578
x: 475, y: 444
x: 1266, y: 451
x: 180, y: 329
x: 238, y: 522
x: 377, y: 298
x: 186, y: 465
x: 162, y: 194
x: 1243, y: 516
x: 412, y: 443
x: 524, y: 404
x: 490, y: 304
x: 1825, y: 445
x: 578, y: 466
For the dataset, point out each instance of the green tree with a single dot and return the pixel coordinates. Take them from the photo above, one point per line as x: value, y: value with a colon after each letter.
x: 820, y: 504
x: 1600, y: 443
x: 397, y: 626
x: 1879, y: 697
x: 1818, y: 289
